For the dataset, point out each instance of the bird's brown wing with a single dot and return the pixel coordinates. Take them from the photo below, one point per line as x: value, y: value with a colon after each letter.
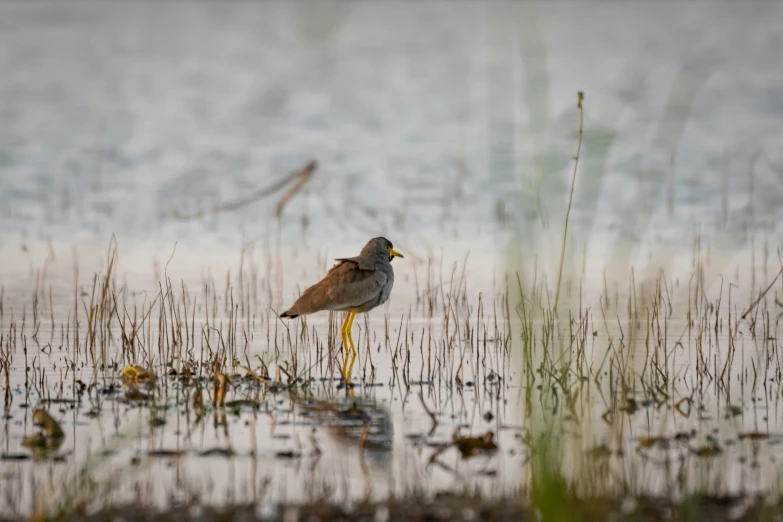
x: 345, y: 286
x: 365, y: 263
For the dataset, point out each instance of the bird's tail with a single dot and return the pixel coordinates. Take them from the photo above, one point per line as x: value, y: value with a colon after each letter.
x: 288, y: 316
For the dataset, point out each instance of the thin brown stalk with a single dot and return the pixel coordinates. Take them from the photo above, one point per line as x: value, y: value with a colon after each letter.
x: 580, y: 97
x: 304, y: 175
x: 761, y: 296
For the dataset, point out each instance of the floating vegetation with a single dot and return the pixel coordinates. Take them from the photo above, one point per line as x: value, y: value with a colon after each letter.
x: 50, y: 427
x: 133, y: 375
x: 472, y: 446
x: 221, y: 382
x: 48, y: 441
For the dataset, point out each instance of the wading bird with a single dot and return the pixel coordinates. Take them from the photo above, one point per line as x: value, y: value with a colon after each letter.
x: 354, y: 285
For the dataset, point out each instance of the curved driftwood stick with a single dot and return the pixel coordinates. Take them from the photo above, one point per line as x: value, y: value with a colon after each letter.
x: 301, y: 176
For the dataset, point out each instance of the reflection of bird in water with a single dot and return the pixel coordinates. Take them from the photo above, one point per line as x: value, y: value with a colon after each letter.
x: 358, y: 423
x: 354, y: 285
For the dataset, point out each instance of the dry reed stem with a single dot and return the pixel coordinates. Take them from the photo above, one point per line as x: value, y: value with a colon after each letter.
x: 580, y: 98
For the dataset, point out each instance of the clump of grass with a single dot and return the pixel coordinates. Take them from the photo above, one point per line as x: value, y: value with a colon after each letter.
x: 679, y: 355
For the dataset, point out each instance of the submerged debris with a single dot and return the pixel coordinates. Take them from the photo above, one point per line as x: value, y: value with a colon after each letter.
x: 198, y: 398
x: 221, y: 381
x: 134, y: 394
x: 134, y: 375
x: 51, y: 427
x: 630, y: 407
x: 649, y: 442
x: 165, y: 453
x: 472, y: 446
x: 708, y: 450
x: 754, y: 436
x: 354, y: 413
x: 217, y: 452
x: 242, y: 403
x: 599, y: 452
x: 48, y: 440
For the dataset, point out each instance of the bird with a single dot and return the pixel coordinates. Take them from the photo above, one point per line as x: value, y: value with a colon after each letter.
x: 354, y: 285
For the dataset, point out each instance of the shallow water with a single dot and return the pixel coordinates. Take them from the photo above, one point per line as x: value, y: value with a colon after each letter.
x: 450, y: 129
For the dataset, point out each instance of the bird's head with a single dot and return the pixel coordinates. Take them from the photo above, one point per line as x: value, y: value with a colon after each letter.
x: 381, y: 247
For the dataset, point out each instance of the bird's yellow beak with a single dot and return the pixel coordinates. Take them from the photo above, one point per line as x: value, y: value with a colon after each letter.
x: 393, y: 253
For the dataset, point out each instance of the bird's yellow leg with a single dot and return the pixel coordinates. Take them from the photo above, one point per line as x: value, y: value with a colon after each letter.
x: 351, y: 315
x: 347, y: 341
x: 345, y: 326
x: 344, y: 330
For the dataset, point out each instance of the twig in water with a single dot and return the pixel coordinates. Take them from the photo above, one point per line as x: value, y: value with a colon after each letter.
x: 304, y: 176
x: 432, y: 415
x: 757, y: 301
x: 301, y: 175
